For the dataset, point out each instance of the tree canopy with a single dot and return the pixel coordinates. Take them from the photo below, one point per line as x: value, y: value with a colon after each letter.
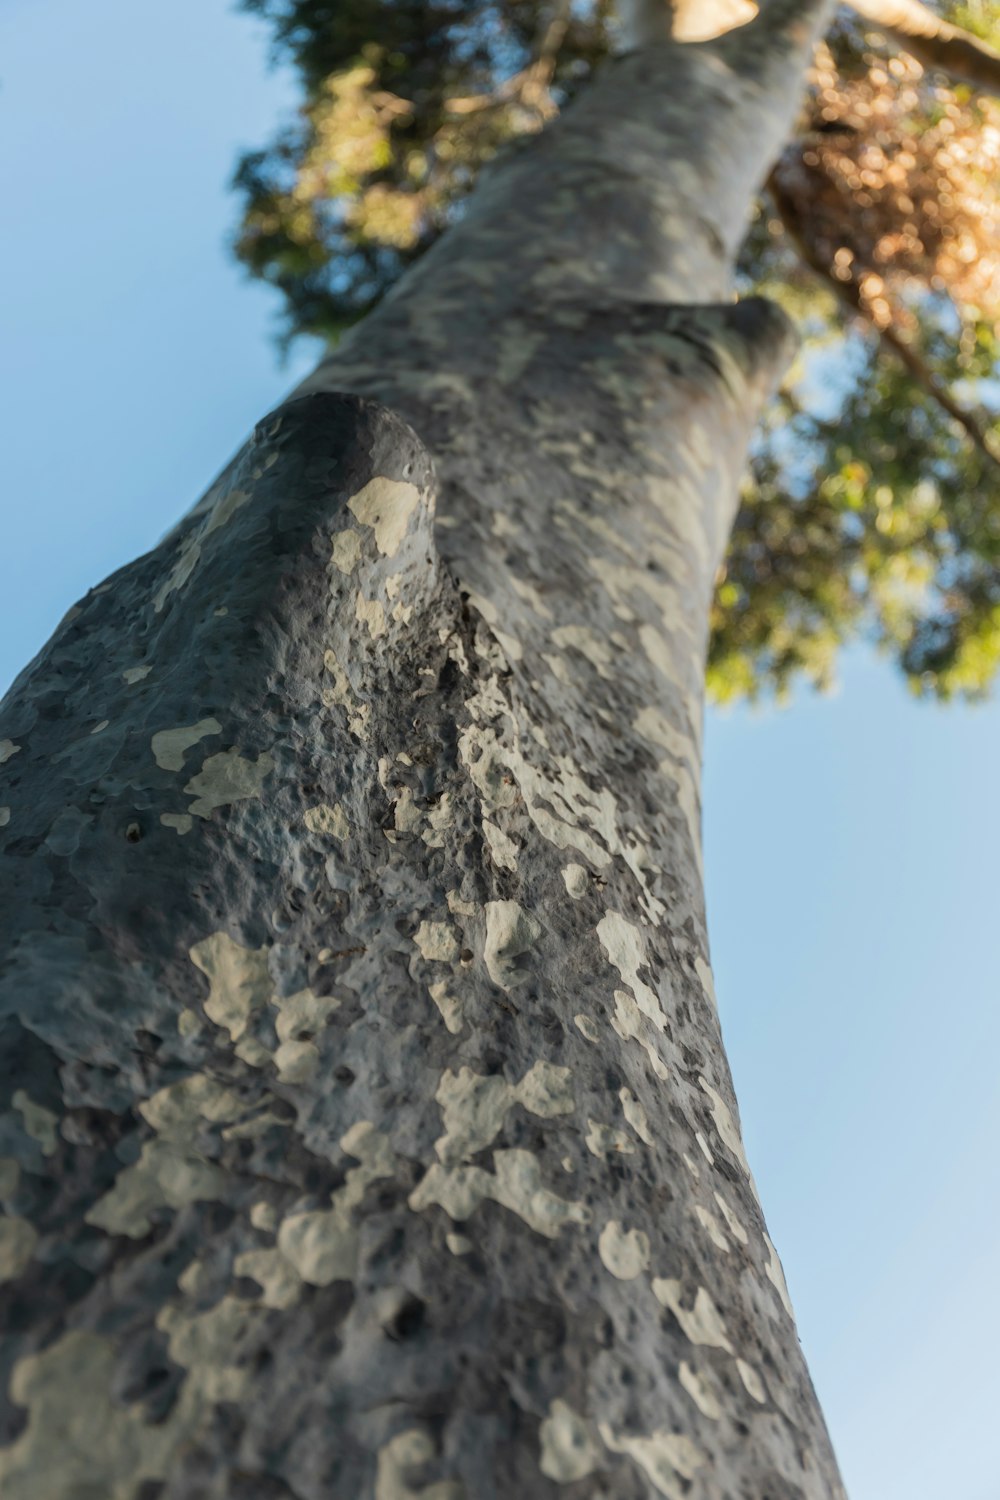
x: 872, y: 503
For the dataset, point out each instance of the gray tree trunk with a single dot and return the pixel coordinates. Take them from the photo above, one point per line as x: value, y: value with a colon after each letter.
x: 367, y: 1129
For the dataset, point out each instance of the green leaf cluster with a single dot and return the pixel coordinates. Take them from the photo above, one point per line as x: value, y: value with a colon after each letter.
x: 404, y: 102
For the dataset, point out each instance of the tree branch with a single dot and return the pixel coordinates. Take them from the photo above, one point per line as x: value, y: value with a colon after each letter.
x: 935, y: 386
x: 935, y: 43
x: 850, y: 294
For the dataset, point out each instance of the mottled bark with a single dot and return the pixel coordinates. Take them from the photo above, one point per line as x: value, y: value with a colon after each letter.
x: 368, y: 1129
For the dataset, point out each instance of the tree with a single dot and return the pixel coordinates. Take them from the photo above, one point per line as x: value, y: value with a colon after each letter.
x: 370, y: 1126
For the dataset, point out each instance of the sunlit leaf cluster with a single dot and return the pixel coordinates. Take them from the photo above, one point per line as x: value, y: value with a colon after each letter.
x: 404, y: 103
x: 872, y: 507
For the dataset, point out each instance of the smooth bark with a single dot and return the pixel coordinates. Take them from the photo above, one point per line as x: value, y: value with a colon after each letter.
x: 369, y: 1131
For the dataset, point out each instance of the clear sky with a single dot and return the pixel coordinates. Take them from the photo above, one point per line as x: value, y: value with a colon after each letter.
x: 851, y: 841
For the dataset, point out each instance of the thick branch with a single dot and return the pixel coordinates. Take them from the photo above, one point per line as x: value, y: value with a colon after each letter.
x: 935, y: 43
x: 850, y: 294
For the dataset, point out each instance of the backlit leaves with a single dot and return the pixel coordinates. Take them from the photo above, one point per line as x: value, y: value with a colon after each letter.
x: 869, y: 509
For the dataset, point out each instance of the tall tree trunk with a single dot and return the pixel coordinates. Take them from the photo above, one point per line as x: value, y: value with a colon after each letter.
x: 368, y: 1130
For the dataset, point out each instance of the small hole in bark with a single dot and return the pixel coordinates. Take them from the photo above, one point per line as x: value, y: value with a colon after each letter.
x: 408, y: 1321
x: 343, y: 1075
x: 133, y: 833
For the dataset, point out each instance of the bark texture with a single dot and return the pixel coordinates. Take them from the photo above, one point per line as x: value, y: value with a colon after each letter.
x: 368, y: 1129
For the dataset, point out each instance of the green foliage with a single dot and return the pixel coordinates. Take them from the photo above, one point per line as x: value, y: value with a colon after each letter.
x: 868, y: 511
x: 877, y: 517
x: 404, y: 103
x: 980, y: 17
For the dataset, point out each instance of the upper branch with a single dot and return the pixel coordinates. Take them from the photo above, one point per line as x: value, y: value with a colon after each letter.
x: 935, y: 43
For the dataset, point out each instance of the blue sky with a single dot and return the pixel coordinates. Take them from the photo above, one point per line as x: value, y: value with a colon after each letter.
x: 850, y: 841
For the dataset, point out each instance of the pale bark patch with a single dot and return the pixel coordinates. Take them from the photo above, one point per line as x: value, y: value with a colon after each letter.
x: 169, y: 745
x: 568, y: 1453
x: 624, y: 1252
x: 227, y: 778
x: 387, y: 506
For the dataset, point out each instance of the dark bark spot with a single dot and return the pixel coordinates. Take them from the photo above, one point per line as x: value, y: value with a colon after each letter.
x: 408, y: 1320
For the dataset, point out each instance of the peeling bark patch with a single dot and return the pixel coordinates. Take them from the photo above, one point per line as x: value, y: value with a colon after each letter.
x: 752, y: 1381
x: 346, y: 550
x: 169, y: 745
x: 624, y: 1252
x: 327, y: 820
x: 39, y: 1123
x: 189, y: 554
x: 776, y: 1277
x: 4, y: 816
x: 666, y: 1458
x: 76, y: 1429
x: 239, y: 981
x: 624, y: 945
x: 712, y: 1227
x: 474, y: 1107
x: 510, y: 932
x: 132, y: 675
x: 369, y: 612
x: 386, y: 505
x: 207, y: 1345
x: 700, y: 1392
x: 732, y: 1222
x: 700, y: 1323
x: 575, y: 880
x: 729, y: 1131
x: 517, y: 1186
x: 171, y: 1172
x: 323, y: 1245
x: 635, y: 1115
x: 558, y: 802
x: 181, y: 823
x: 303, y: 1011
x: 18, y: 1239
x: 568, y: 1452
x: 449, y: 1006
x: 503, y: 850
x: 7, y: 750
x: 341, y: 693
x: 628, y: 1023
x: 407, y: 1451
x: 437, y: 942
x: 280, y: 1283
x: 704, y: 972
x: 589, y: 644
x: 587, y: 1029
x: 603, y: 1140
x: 296, y: 1061
x: 226, y: 778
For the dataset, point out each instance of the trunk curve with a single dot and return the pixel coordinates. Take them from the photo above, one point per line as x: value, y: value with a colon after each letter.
x: 368, y: 1130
